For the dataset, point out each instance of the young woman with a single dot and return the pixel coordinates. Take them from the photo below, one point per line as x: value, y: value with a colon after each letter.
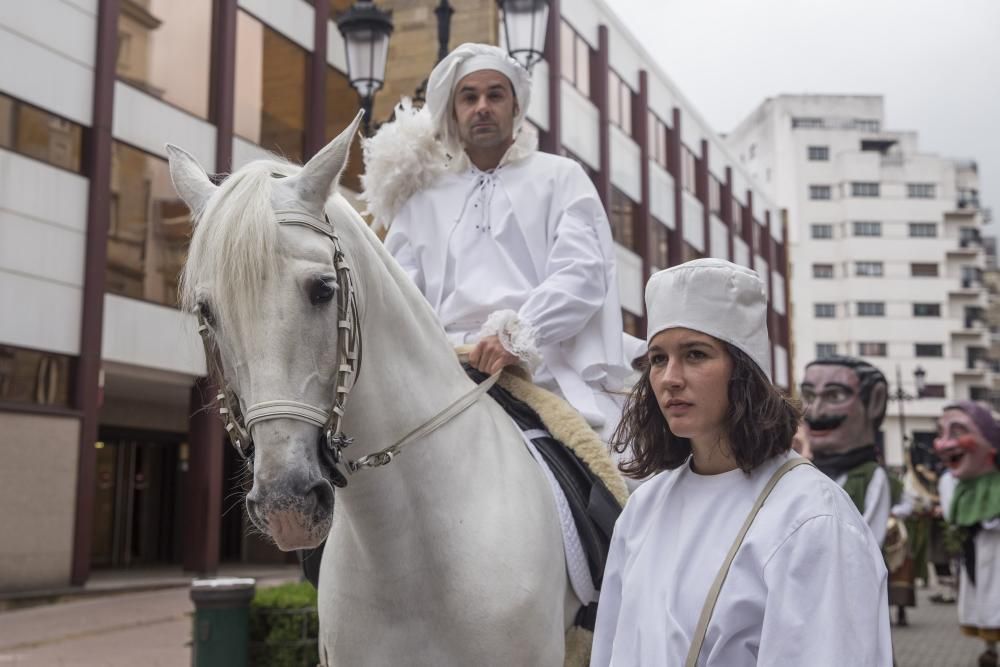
x: 807, y: 583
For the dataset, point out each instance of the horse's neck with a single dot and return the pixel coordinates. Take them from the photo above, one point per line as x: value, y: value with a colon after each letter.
x: 409, y: 374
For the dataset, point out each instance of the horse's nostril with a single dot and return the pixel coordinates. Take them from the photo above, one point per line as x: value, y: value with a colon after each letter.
x: 319, y: 498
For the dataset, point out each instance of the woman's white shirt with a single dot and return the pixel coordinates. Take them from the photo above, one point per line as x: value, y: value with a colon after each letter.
x: 807, y: 587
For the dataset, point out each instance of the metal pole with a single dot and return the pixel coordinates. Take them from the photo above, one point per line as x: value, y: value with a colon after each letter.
x: 444, y: 12
x: 366, y: 123
x: 901, y: 397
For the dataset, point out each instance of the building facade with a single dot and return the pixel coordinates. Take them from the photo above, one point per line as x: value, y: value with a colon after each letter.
x: 109, y: 458
x: 887, y: 260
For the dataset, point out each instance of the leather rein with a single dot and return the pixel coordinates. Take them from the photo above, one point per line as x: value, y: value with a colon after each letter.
x: 348, y: 364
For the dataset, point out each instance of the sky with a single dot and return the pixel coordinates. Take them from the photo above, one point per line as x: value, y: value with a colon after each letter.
x: 936, y: 62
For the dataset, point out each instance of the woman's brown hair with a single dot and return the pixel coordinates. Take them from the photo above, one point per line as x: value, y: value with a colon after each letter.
x: 761, y: 423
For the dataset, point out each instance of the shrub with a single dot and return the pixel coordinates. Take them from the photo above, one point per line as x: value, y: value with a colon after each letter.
x: 284, y: 626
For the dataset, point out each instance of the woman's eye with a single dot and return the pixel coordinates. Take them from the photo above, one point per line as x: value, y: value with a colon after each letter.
x: 696, y: 355
x: 657, y: 359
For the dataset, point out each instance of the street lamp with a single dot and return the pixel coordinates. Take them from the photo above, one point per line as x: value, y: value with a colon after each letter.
x: 919, y: 376
x: 525, y: 23
x: 366, y: 30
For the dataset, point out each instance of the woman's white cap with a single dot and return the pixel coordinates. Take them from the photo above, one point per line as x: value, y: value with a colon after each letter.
x: 716, y: 297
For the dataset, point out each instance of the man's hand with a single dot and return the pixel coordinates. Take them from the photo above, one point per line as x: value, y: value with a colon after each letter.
x: 489, y: 356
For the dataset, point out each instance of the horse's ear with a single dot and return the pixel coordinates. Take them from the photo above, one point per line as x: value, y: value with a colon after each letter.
x: 190, y: 180
x: 321, y: 174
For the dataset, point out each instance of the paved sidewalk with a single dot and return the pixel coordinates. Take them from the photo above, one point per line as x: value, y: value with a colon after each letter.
x: 150, y: 628
x: 932, y: 638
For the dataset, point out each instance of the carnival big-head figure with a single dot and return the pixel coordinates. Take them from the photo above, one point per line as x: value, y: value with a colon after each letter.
x: 844, y: 400
x: 967, y: 440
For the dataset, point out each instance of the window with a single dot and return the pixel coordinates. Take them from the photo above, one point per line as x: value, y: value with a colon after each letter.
x: 689, y: 170
x: 929, y: 349
x: 867, y: 125
x: 819, y: 153
x: 270, y: 108
x: 622, y: 214
x: 969, y: 236
x: 871, y: 309
x: 870, y: 269
x: 737, y: 215
x: 657, y: 140
x: 38, y: 134
x: 630, y: 323
x: 661, y: 245
x: 821, y: 231
x: 149, y: 228
x: 619, y: 103
x: 920, y: 190
x: 822, y: 270
x: 860, y: 189
x: 180, y: 33
x: 575, y: 59
x: 824, y: 350
x: 872, y: 349
x: 819, y: 192
x: 807, y: 123
x: 715, y: 195
x: 923, y: 230
x: 927, y: 310
x: 339, y: 116
x: 825, y: 309
x: 920, y: 270
x: 868, y: 229
x: 933, y: 391
x: 29, y: 376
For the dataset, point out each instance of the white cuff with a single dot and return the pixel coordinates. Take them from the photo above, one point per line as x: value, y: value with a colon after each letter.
x: 517, y: 337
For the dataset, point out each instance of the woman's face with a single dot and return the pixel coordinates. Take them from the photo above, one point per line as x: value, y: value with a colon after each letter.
x: 689, y: 374
x: 962, y: 447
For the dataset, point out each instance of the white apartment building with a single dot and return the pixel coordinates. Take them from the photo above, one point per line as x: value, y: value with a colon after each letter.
x: 886, y: 259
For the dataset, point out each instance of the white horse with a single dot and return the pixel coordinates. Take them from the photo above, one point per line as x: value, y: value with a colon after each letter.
x: 451, y: 554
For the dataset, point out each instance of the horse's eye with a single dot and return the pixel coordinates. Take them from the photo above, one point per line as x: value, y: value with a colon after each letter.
x: 322, y: 291
x: 205, y: 311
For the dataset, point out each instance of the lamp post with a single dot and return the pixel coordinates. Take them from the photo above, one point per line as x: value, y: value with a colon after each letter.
x: 366, y: 30
x: 525, y: 23
x: 901, y: 396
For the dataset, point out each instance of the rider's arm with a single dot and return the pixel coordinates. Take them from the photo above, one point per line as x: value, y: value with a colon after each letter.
x: 575, y: 284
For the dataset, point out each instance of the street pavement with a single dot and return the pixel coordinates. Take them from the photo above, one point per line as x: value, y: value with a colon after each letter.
x: 932, y: 638
x: 153, y: 629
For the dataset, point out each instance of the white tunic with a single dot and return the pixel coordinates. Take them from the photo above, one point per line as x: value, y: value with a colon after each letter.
x: 878, y: 502
x: 530, y: 237
x: 979, y: 605
x: 807, y: 587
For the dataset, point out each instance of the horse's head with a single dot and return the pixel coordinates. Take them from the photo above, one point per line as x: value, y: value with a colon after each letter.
x: 267, y: 296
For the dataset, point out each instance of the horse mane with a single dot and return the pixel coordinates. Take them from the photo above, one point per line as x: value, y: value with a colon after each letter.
x: 234, y: 244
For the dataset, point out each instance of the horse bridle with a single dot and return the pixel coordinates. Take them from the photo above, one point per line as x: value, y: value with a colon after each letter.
x: 348, y: 364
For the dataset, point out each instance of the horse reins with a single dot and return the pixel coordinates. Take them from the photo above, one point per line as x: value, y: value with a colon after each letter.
x: 348, y: 364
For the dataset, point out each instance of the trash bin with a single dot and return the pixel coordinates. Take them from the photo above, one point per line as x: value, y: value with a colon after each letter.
x: 220, y: 634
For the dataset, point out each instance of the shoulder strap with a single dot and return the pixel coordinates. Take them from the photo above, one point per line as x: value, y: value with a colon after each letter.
x: 720, y: 578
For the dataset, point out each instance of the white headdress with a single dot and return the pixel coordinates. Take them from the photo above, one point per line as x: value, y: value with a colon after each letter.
x: 716, y: 297
x: 458, y: 64
x: 410, y: 153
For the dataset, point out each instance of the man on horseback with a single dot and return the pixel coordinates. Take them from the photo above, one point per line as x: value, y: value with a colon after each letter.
x: 511, y: 247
